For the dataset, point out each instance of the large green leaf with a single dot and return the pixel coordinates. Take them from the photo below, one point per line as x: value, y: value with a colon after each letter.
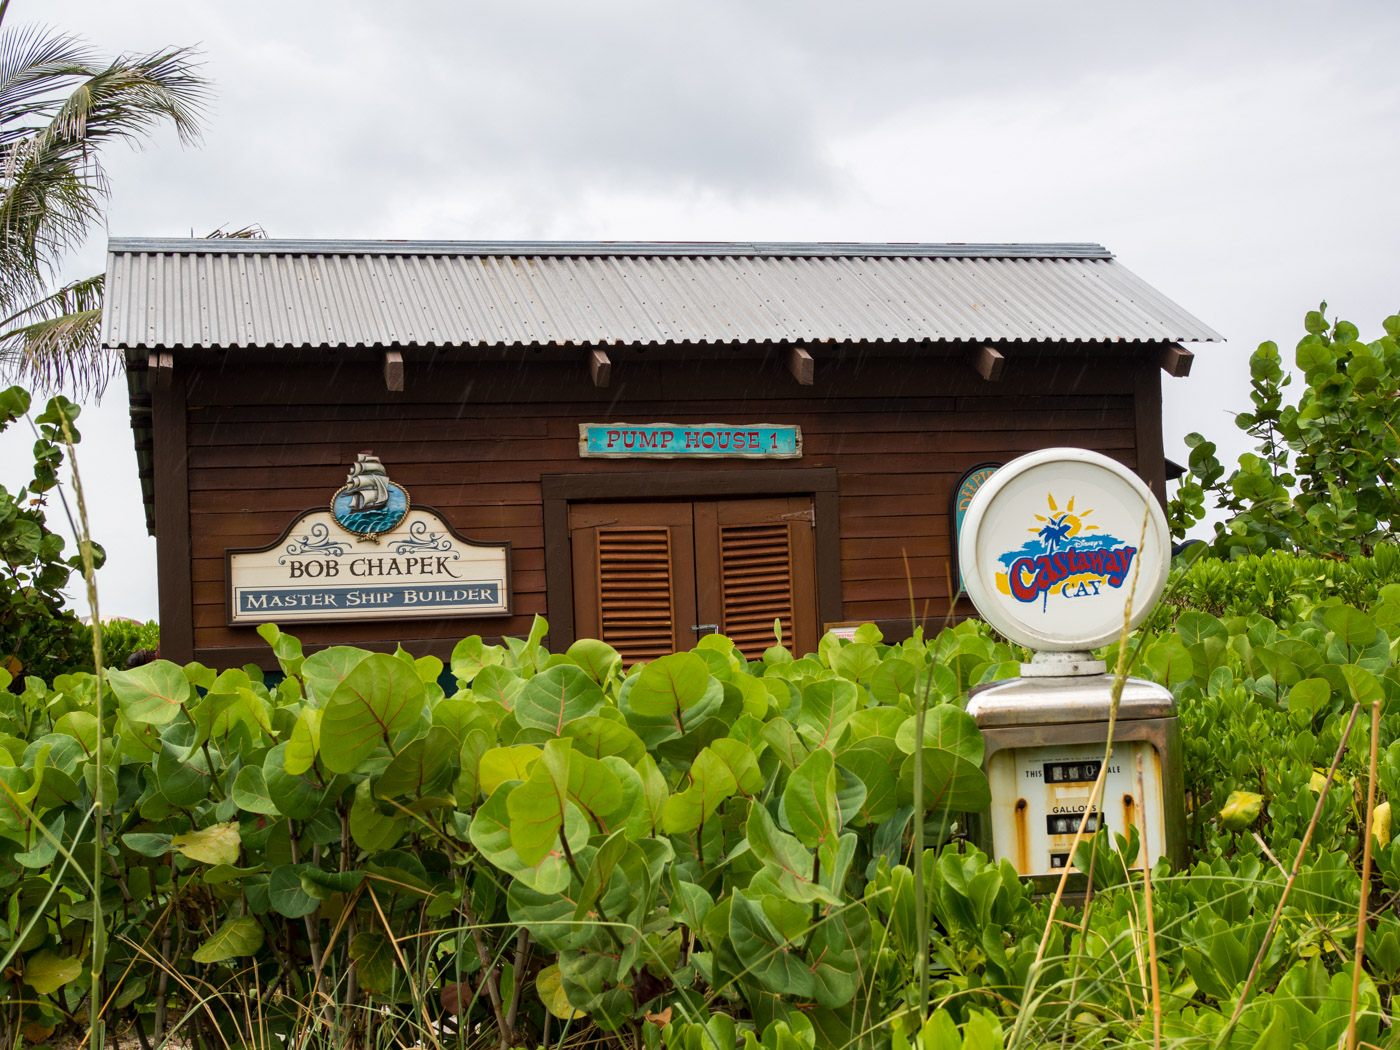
x: 673, y: 686
x: 875, y: 761
x: 295, y: 795
x: 419, y: 768
x: 809, y: 801
x: 767, y: 956
x: 951, y: 782
x: 284, y: 889
x: 234, y: 939
x: 250, y: 792
x: 536, y: 807
x: 154, y: 693
x: 379, y: 697
x: 324, y: 671
x: 711, y: 782
x: 827, y: 705
x: 46, y: 971
x: 305, y: 741
x: 599, y: 737
x: 555, y: 697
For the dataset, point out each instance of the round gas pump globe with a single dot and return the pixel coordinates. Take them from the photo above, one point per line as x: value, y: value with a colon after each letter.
x: 1050, y: 546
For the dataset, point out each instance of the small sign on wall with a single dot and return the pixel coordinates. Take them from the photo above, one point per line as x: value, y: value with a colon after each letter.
x: 370, y: 556
x: 689, y: 441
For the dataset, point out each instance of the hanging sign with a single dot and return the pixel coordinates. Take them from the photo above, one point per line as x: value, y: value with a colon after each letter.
x: 1051, y: 545
x: 369, y: 556
x: 689, y: 441
x: 967, y: 486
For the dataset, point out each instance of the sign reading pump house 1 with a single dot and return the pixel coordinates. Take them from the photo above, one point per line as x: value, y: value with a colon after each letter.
x: 1053, y: 547
x: 689, y: 441
x: 369, y: 556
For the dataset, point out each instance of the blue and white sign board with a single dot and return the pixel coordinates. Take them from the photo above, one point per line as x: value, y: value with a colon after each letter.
x: 369, y: 556
x: 689, y: 441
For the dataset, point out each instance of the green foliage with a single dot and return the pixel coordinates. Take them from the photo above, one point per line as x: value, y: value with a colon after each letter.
x: 38, y: 636
x: 1324, y: 477
x: 701, y: 851
x: 699, y: 828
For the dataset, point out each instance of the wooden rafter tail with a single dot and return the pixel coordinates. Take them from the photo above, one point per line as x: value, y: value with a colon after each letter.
x: 1176, y: 360
x: 989, y: 363
x: 393, y: 370
x: 801, y: 365
x: 600, y: 367
x: 161, y: 367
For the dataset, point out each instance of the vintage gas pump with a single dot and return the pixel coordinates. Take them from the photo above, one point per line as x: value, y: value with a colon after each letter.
x: 1048, y: 552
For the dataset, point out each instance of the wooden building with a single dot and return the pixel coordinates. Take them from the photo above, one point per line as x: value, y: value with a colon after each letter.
x: 260, y: 371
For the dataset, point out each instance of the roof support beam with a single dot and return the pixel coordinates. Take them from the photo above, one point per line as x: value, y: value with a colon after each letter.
x: 600, y: 367
x: 161, y: 367
x: 989, y: 363
x: 800, y: 364
x: 393, y: 370
x: 1176, y: 361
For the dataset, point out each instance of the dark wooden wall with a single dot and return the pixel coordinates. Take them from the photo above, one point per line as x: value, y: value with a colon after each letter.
x: 267, y: 441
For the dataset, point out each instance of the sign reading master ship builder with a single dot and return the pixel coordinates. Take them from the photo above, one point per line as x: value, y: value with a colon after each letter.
x: 369, y: 556
x: 689, y: 440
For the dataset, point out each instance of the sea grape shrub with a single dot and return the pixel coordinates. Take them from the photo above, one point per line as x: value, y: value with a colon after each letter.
x: 38, y: 636
x: 700, y: 831
x: 701, y: 847
x: 1324, y: 477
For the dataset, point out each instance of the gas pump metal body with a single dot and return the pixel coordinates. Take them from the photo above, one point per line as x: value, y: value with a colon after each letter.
x: 1059, y: 548
x: 1044, y: 737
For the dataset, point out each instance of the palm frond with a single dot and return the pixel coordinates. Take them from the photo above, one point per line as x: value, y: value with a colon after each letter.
x: 58, y: 107
x: 56, y: 340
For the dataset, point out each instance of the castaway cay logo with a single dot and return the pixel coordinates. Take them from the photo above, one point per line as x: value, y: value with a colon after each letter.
x: 1067, y: 557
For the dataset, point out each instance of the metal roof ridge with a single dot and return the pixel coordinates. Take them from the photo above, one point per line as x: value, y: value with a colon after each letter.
x: 653, y: 249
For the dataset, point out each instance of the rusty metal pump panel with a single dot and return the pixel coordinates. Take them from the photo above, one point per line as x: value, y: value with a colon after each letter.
x: 1045, y: 793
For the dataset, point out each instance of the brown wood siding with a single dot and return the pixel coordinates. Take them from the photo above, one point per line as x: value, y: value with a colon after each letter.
x: 472, y: 440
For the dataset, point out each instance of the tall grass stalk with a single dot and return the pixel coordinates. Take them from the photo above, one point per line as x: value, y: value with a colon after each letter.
x: 1120, y: 678
x: 1361, y: 916
x: 1224, y: 1036
x: 99, y: 923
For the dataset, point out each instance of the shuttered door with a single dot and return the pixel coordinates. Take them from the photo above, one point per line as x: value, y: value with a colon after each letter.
x: 651, y: 578
x: 759, y: 555
x: 634, y: 576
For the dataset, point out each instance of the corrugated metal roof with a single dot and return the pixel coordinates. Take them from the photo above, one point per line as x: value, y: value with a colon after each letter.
x: 164, y: 294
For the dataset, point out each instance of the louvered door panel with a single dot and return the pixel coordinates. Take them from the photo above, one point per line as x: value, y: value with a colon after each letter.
x: 754, y: 559
x: 635, y: 612
x: 755, y: 585
x: 634, y: 576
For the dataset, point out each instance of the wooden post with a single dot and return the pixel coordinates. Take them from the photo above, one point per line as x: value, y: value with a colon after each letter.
x: 393, y: 370
x: 1176, y: 361
x: 600, y: 367
x: 801, y: 365
x: 989, y: 363
x: 172, y: 513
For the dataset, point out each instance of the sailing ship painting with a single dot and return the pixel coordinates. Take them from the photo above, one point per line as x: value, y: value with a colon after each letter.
x: 369, y: 504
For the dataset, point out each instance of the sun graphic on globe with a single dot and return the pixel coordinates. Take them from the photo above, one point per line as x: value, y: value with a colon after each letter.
x: 1062, y: 525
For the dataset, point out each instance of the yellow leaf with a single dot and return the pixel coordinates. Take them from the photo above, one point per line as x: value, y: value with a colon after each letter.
x: 47, y: 971
x: 1241, y: 810
x: 1380, y: 824
x: 216, y: 844
x: 550, y: 984
x: 35, y: 1032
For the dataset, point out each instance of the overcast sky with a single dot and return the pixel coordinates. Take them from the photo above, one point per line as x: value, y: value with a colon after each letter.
x: 1239, y: 156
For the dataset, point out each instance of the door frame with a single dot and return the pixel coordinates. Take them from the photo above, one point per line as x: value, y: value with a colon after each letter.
x: 559, y: 490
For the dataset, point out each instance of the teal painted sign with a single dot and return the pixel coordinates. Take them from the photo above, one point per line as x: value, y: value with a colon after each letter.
x: 689, y: 441
x: 967, y: 487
